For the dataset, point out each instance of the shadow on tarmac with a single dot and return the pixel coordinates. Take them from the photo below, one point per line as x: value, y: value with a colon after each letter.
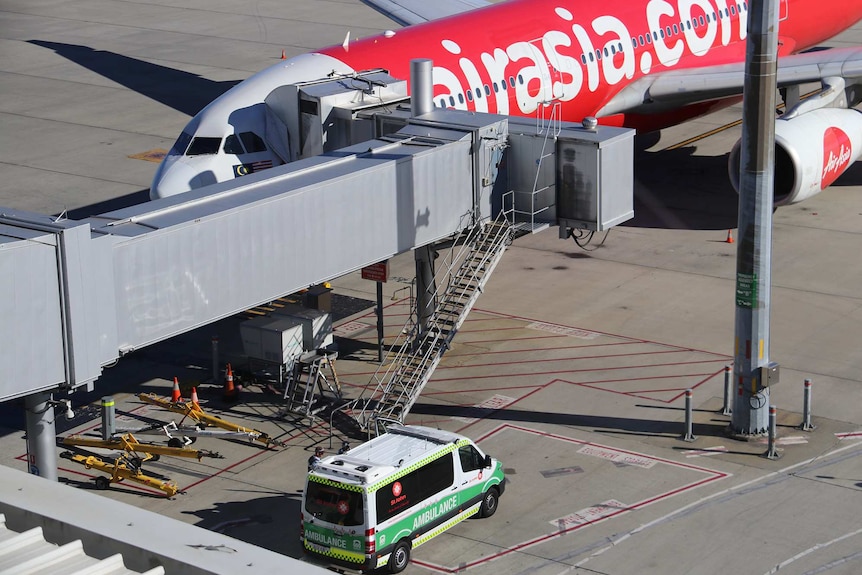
x: 183, y: 91
x: 645, y: 427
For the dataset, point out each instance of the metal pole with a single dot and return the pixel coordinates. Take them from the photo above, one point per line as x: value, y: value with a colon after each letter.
x: 771, y: 452
x: 421, y: 87
x: 379, y: 322
x: 806, y: 407
x: 41, y: 436
x: 216, y: 378
x: 754, y: 249
x: 728, y: 391
x: 108, y: 419
x: 689, y: 436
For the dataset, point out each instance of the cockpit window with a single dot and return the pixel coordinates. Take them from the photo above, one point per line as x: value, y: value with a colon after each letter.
x: 232, y: 145
x: 203, y: 146
x: 181, y: 144
x: 253, y: 142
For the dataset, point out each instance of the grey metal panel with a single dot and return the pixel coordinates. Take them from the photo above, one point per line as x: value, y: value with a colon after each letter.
x: 29, y: 303
x: 262, y: 238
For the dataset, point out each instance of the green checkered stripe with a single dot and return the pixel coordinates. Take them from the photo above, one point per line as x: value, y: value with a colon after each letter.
x: 333, y: 483
x: 454, y: 521
x: 340, y: 554
x: 422, y: 462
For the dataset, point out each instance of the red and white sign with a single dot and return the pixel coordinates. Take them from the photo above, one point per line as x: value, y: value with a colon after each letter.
x: 396, y: 488
x: 378, y: 272
x: 837, y: 151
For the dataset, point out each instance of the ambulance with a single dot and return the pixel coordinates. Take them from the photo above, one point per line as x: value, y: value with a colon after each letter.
x: 370, y: 507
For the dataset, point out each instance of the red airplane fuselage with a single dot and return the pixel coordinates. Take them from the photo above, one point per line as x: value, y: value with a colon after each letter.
x: 520, y: 55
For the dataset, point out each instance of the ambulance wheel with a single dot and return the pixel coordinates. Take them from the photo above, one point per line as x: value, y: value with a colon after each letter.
x: 102, y: 482
x: 489, y: 503
x: 400, y: 557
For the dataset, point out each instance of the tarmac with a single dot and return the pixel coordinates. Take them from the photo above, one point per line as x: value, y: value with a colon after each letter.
x: 571, y: 369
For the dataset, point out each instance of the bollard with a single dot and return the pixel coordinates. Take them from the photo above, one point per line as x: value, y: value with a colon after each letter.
x: 216, y: 378
x: 108, y: 421
x: 728, y: 390
x: 806, y: 408
x: 771, y: 452
x: 688, y: 434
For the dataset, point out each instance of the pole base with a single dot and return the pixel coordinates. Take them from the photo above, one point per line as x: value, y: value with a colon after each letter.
x: 773, y: 454
x: 688, y: 437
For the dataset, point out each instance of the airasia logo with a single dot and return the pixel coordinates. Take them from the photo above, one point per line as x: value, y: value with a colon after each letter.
x: 836, y: 155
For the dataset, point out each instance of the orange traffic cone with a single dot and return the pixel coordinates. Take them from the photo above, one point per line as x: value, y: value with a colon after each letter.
x: 229, y: 389
x: 195, y: 403
x: 176, y: 396
x: 283, y: 55
x: 729, y: 239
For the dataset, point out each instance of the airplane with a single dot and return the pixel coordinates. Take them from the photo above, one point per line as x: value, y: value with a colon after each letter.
x: 643, y: 64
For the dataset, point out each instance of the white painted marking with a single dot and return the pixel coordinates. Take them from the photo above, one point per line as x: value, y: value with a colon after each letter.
x: 715, y: 495
x: 789, y: 440
x: 562, y: 330
x: 589, y: 515
x: 350, y: 327
x: 617, y: 456
x: 786, y: 562
x: 492, y: 403
x: 705, y: 452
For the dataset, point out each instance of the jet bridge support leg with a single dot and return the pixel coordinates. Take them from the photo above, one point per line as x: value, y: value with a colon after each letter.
x: 41, y: 436
x: 425, y: 287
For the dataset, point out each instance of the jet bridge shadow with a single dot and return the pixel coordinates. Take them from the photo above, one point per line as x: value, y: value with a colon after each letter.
x: 626, y: 425
x: 676, y: 189
x: 183, y: 91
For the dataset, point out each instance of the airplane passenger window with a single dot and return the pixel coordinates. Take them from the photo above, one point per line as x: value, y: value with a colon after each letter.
x: 649, y: 38
x: 512, y: 81
x: 620, y: 46
x: 469, y: 95
x: 598, y: 54
x: 253, y: 142
x: 675, y: 29
x: 613, y: 50
x: 733, y: 10
x: 478, y: 93
x: 520, y: 79
x: 583, y: 59
x: 181, y: 144
x: 702, y: 22
x: 204, y: 146
x: 232, y: 145
x: 591, y: 57
x: 641, y: 39
x: 452, y: 101
x: 661, y: 33
x: 487, y: 90
x: 460, y: 98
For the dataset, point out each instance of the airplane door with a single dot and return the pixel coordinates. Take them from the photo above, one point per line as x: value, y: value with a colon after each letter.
x: 783, y: 10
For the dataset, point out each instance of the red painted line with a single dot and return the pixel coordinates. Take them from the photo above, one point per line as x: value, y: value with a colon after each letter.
x: 713, y: 476
x: 533, y: 350
x: 518, y: 400
x: 489, y: 312
x: 480, y: 389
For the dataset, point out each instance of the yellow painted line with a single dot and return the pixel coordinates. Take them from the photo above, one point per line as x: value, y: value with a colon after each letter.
x: 725, y: 127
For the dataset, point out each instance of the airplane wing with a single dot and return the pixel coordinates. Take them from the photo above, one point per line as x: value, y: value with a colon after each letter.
x: 409, y: 12
x: 666, y: 90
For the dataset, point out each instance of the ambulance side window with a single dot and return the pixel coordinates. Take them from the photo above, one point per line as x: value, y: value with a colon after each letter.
x: 415, y: 487
x: 471, y: 459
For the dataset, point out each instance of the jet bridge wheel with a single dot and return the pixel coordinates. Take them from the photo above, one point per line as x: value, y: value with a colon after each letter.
x: 102, y: 483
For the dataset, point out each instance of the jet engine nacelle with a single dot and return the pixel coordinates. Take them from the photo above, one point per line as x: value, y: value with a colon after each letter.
x: 811, y: 151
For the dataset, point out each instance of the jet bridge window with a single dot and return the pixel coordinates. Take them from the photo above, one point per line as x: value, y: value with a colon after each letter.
x: 204, y: 146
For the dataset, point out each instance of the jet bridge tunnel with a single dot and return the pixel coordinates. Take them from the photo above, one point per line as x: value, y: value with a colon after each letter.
x: 75, y: 296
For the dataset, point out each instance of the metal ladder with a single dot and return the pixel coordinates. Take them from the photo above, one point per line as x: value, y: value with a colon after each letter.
x: 305, y: 376
x: 400, y: 380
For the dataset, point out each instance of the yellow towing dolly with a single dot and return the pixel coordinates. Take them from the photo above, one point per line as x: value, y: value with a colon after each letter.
x: 133, y: 447
x: 120, y: 470
x: 194, y: 411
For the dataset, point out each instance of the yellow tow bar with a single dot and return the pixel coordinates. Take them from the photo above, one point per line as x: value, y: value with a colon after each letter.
x: 131, y: 445
x: 120, y: 470
x: 195, y: 412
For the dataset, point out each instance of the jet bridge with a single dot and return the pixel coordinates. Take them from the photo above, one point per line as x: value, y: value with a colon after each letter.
x: 75, y: 296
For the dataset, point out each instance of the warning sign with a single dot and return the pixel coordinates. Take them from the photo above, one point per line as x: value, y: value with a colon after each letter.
x: 378, y: 272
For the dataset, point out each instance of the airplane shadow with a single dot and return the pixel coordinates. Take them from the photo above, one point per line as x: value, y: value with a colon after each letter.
x: 183, y: 91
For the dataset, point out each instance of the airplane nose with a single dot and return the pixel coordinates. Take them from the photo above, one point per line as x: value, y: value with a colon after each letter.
x: 173, y: 177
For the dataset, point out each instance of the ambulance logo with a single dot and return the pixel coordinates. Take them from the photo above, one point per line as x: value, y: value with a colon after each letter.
x: 836, y: 155
x: 396, y: 488
x: 343, y: 508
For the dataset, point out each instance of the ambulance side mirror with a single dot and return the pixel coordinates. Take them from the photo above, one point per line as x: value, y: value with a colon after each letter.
x: 488, y: 461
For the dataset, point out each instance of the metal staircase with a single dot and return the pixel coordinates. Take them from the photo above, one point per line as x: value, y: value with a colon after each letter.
x: 415, y: 355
